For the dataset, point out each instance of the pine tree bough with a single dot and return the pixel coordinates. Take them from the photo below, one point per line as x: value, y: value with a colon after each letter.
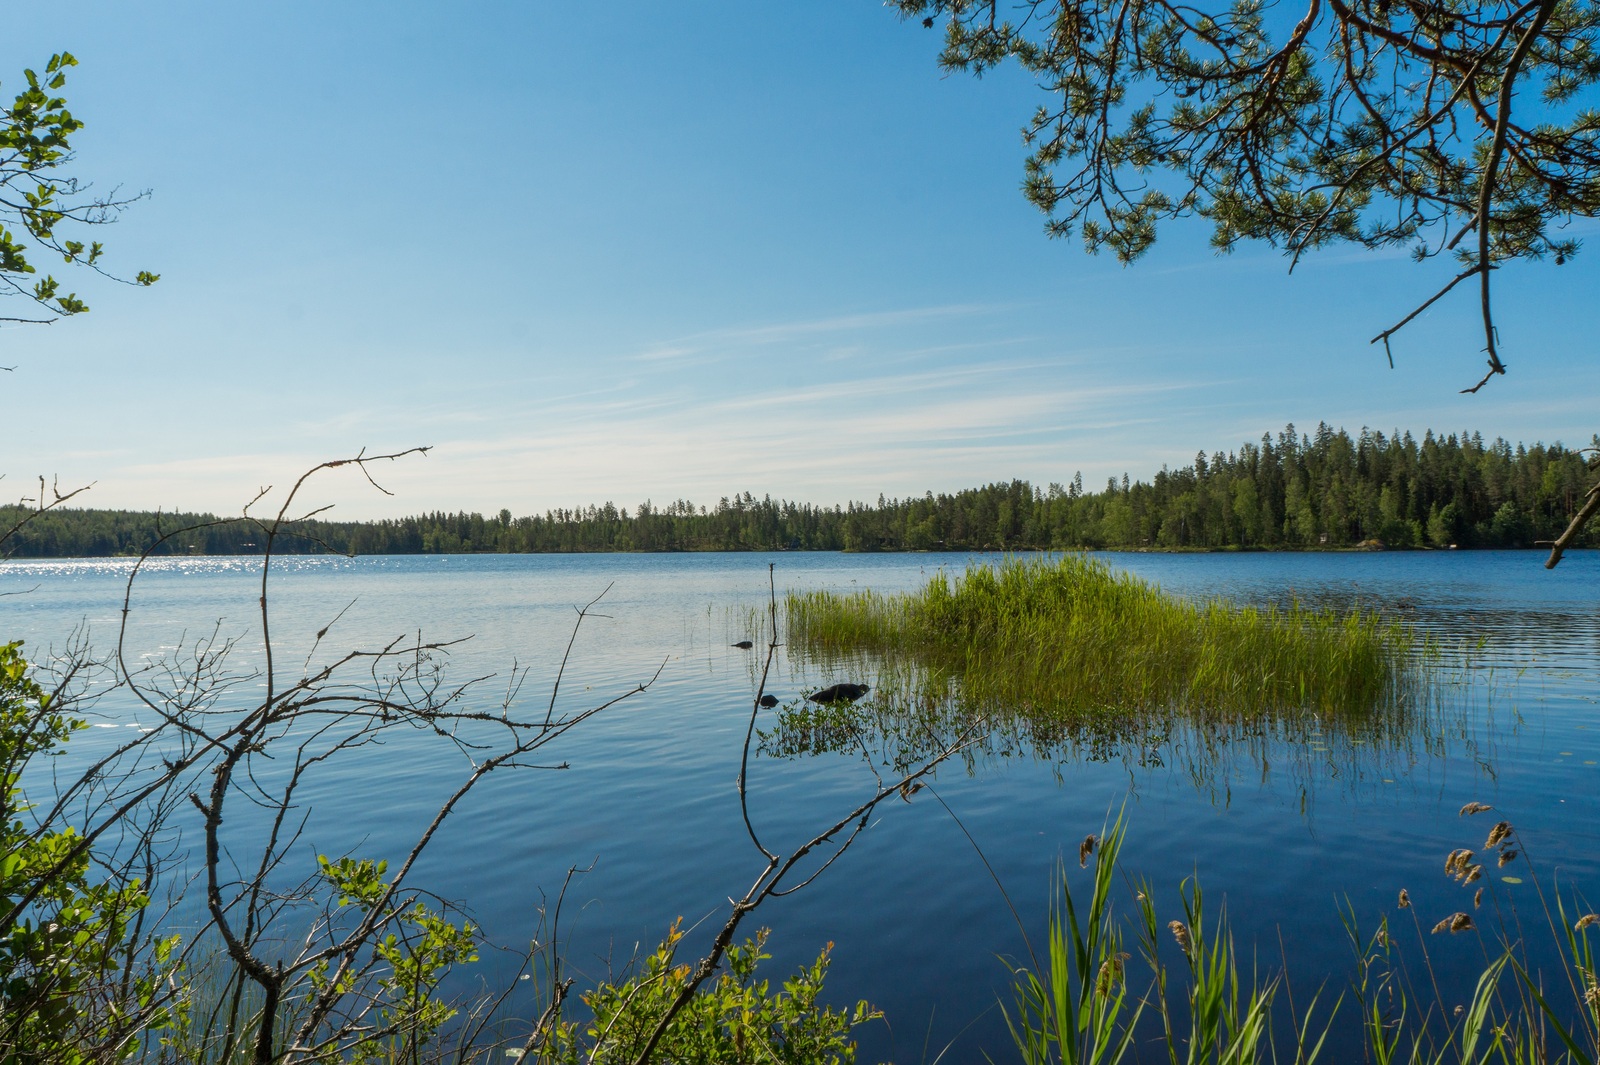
x: 1413, y: 124
x: 1383, y: 123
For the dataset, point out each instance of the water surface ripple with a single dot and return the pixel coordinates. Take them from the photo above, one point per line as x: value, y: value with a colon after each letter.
x: 649, y: 797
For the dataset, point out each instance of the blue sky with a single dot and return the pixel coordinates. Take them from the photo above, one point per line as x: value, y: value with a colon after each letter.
x: 611, y: 252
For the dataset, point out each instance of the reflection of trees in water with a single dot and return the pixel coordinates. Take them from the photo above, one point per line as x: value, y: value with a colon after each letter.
x: 914, y: 711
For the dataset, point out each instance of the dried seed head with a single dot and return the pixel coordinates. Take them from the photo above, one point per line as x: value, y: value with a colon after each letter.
x: 1085, y: 849
x: 1405, y: 899
x: 1180, y: 932
x: 1474, y: 808
x: 1471, y: 873
x: 1506, y: 857
x: 1110, y: 974
x: 1457, y: 861
x: 1459, y: 1010
x: 1383, y: 938
x: 1477, y: 898
x: 1592, y: 997
x: 1585, y: 921
x: 1456, y: 922
x: 1499, y: 834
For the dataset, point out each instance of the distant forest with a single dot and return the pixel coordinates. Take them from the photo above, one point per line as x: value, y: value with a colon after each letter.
x: 1290, y: 491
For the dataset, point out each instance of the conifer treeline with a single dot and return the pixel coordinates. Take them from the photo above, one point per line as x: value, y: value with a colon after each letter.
x: 1288, y: 491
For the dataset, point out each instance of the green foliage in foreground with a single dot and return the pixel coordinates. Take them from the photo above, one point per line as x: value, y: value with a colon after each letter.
x: 44, y: 208
x: 1295, y: 491
x: 1103, y: 976
x: 739, y: 1018
x: 1069, y: 637
x: 81, y: 984
x: 69, y: 988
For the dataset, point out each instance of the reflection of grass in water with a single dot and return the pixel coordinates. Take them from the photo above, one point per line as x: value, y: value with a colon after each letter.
x: 1066, y: 657
x: 893, y: 730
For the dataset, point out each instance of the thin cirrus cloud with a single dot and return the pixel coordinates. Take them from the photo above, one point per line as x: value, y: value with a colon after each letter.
x: 826, y: 443
x: 914, y: 406
x: 734, y: 339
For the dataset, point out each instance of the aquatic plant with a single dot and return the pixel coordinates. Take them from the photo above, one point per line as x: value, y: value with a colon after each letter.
x: 1083, y: 1003
x: 1069, y: 641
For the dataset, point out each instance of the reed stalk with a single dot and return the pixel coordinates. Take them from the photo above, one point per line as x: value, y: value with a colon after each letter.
x: 1193, y: 999
x: 1068, y: 640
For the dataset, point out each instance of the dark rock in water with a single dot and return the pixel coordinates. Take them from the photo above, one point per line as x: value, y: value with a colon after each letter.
x: 769, y: 701
x: 744, y: 645
x: 838, y: 693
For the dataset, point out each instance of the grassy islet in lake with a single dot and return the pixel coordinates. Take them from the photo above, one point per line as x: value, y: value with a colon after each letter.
x: 1070, y: 639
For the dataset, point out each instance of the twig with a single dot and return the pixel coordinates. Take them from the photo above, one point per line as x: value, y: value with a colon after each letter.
x: 769, y: 883
x: 42, y: 508
x: 555, y: 688
x: 1490, y: 173
x: 1591, y: 503
x: 755, y: 709
x: 1435, y: 298
x: 558, y: 987
x: 993, y: 876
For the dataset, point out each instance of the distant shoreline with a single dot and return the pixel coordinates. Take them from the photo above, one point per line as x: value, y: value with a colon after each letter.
x: 983, y: 550
x: 1292, y: 492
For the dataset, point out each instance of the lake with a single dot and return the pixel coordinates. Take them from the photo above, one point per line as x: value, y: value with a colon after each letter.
x: 1286, y: 834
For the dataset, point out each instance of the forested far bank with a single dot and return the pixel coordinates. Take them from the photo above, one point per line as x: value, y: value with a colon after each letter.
x: 1290, y: 490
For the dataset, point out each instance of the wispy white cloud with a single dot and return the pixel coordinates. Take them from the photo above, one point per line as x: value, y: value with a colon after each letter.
x: 826, y: 441
x: 675, y: 354
x: 735, y: 338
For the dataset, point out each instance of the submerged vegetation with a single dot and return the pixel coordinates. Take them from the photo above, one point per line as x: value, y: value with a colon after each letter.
x: 1069, y: 641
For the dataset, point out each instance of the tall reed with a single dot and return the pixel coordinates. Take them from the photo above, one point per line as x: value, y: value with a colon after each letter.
x: 1086, y: 1002
x: 1068, y: 639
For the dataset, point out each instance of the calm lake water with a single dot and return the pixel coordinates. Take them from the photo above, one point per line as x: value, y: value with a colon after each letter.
x: 1286, y: 834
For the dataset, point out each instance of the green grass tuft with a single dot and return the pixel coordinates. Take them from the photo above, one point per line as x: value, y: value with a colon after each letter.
x: 1070, y: 641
